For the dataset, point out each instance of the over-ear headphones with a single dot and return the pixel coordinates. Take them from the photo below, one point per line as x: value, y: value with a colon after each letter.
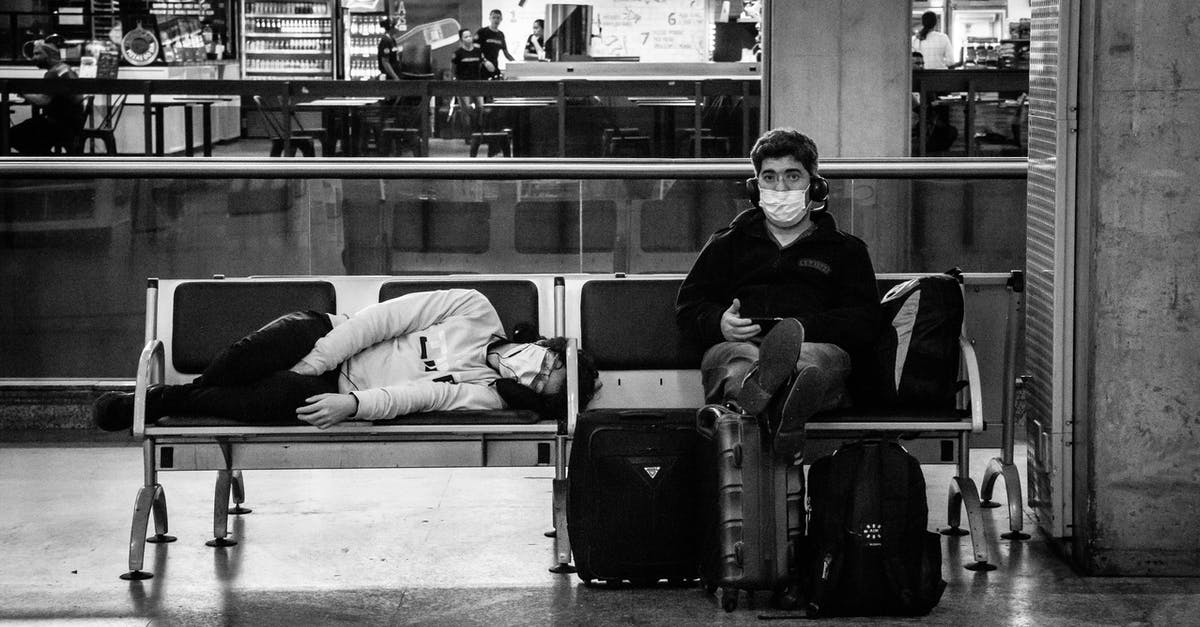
x: 818, y: 189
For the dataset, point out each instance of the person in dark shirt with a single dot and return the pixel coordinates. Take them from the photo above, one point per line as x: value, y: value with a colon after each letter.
x: 535, y: 44
x: 469, y: 62
x: 389, y: 51
x: 470, y: 65
x: 784, y: 269
x: 491, y: 41
x: 62, y: 116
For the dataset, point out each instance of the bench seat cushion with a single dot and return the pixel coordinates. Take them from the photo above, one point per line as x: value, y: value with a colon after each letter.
x: 496, y: 417
x: 883, y: 415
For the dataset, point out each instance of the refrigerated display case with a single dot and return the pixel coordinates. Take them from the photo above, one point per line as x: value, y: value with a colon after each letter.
x: 288, y: 39
x: 362, y: 39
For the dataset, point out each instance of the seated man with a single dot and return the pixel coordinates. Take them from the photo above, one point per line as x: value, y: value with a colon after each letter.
x: 426, y: 351
x: 781, y: 268
x: 62, y: 116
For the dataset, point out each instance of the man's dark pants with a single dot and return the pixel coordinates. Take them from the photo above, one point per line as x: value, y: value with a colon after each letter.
x: 250, y: 380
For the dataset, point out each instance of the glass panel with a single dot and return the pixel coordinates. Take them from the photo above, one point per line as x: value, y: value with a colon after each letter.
x: 75, y: 254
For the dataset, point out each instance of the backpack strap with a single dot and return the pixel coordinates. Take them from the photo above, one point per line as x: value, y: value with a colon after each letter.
x: 828, y: 553
x: 899, y: 578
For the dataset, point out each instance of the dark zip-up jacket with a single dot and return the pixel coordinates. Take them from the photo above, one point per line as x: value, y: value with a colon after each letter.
x: 824, y: 279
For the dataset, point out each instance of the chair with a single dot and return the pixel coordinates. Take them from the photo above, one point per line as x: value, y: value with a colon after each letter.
x: 300, y: 140
x: 621, y: 141
x: 416, y: 62
x: 105, y: 130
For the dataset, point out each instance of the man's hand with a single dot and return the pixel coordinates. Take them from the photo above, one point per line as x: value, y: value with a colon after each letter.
x: 734, y: 327
x: 325, y: 410
x: 304, y: 368
x: 488, y: 64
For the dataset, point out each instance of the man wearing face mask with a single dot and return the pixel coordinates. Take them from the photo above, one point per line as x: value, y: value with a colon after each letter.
x: 781, y: 299
x: 426, y: 351
x: 62, y: 116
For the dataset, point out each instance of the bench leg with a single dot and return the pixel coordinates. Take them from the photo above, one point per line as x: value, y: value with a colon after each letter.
x: 159, y: 507
x: 221, y: 510
x: 964, y: 494
x: 1012, y: 484
x: 562, y: 540
x: 137, y: 533
x: 239, y: 495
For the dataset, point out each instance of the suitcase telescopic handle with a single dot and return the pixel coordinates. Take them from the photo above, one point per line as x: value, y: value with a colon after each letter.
x: 706, y: 420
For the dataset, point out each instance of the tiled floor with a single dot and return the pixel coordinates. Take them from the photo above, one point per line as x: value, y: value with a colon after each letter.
x: 435, y: 546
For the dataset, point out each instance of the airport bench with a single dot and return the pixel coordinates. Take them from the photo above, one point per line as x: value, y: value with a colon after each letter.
x: 189, y: 321
x: 627, y: 325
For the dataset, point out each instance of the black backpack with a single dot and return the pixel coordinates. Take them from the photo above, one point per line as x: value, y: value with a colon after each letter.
x: 868, y: 552
x: 918, y: 346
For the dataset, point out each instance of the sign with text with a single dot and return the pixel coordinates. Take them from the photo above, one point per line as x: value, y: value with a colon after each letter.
x: 672, y: 31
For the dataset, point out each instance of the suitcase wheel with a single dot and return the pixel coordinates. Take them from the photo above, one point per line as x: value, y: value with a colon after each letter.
x: 786, y: 599
x: 729, y: 599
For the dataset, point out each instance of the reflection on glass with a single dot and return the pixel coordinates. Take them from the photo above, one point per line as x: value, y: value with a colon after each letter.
x: 77, y: 253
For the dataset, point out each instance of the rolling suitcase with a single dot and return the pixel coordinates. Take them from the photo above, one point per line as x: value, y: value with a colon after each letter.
x: 755, y: 515
x: 632, y: 494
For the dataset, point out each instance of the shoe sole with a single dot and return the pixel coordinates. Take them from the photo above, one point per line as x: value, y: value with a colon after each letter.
x: 776, y: 361
x: 789, y: 434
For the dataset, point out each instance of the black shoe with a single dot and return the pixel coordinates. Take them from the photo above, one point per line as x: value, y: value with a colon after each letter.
x: 776, y: 360
x: 113, y: 411
x: 795, y: 410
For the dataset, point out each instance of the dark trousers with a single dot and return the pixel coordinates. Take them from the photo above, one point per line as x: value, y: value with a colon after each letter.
x: 250, y: 380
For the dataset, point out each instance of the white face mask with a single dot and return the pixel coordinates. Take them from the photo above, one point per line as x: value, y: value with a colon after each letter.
x: 786, y: 208
x: 529, y: 364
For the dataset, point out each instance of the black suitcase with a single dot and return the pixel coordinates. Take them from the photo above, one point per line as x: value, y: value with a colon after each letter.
x: 631, y: 496
x: 754, y: 510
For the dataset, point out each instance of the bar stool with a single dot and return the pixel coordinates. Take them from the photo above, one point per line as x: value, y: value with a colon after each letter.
x: 497, y: 141
x: 397, y: 140
x: 628, y: 146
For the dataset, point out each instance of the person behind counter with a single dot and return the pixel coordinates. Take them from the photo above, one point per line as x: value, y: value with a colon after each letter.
x: 389, y: 51
x: 491, y: 41
x: 61, y: 120
x: 535, y: 45
x: 933, y: 45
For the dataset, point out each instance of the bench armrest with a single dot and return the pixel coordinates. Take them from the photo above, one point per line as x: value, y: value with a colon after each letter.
x: 974, y: 384
x: 151, y: 365
x: 568, y: 426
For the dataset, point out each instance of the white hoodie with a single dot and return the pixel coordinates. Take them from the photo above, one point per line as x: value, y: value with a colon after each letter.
x: 425, y: 351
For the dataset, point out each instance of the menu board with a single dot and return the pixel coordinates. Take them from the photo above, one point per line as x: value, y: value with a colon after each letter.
x: 672, y: 31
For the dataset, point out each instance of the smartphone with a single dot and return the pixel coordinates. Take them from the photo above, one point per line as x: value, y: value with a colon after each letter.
x: 765, y: 322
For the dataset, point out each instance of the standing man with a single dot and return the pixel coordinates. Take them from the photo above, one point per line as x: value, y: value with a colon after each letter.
x: 781, y: 295
x: 491, y: 41
x: 389, y: 51
x: 61, y: 120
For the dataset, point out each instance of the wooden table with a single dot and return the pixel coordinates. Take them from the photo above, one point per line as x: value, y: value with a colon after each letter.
x: 347, y: 122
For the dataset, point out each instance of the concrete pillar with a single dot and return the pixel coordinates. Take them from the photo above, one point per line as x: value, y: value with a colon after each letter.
x: 1137, y: 480
x: 840, y: 72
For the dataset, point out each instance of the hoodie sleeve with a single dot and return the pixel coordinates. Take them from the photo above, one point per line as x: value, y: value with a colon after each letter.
x: 422, y: 396
x: 854, y: 322
x: 705, y: 294
x: 398, y: 317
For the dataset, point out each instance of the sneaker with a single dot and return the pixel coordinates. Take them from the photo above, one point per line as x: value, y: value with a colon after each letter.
x: 113, y: 411
x: 776, y: 360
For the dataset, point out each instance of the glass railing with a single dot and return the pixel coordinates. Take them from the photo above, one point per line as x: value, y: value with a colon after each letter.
x: 79, y: 237
x: 627, y: 118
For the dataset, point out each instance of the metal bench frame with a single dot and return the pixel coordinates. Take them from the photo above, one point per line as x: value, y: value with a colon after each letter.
x: 681, y: 388
x: 359, y: 444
